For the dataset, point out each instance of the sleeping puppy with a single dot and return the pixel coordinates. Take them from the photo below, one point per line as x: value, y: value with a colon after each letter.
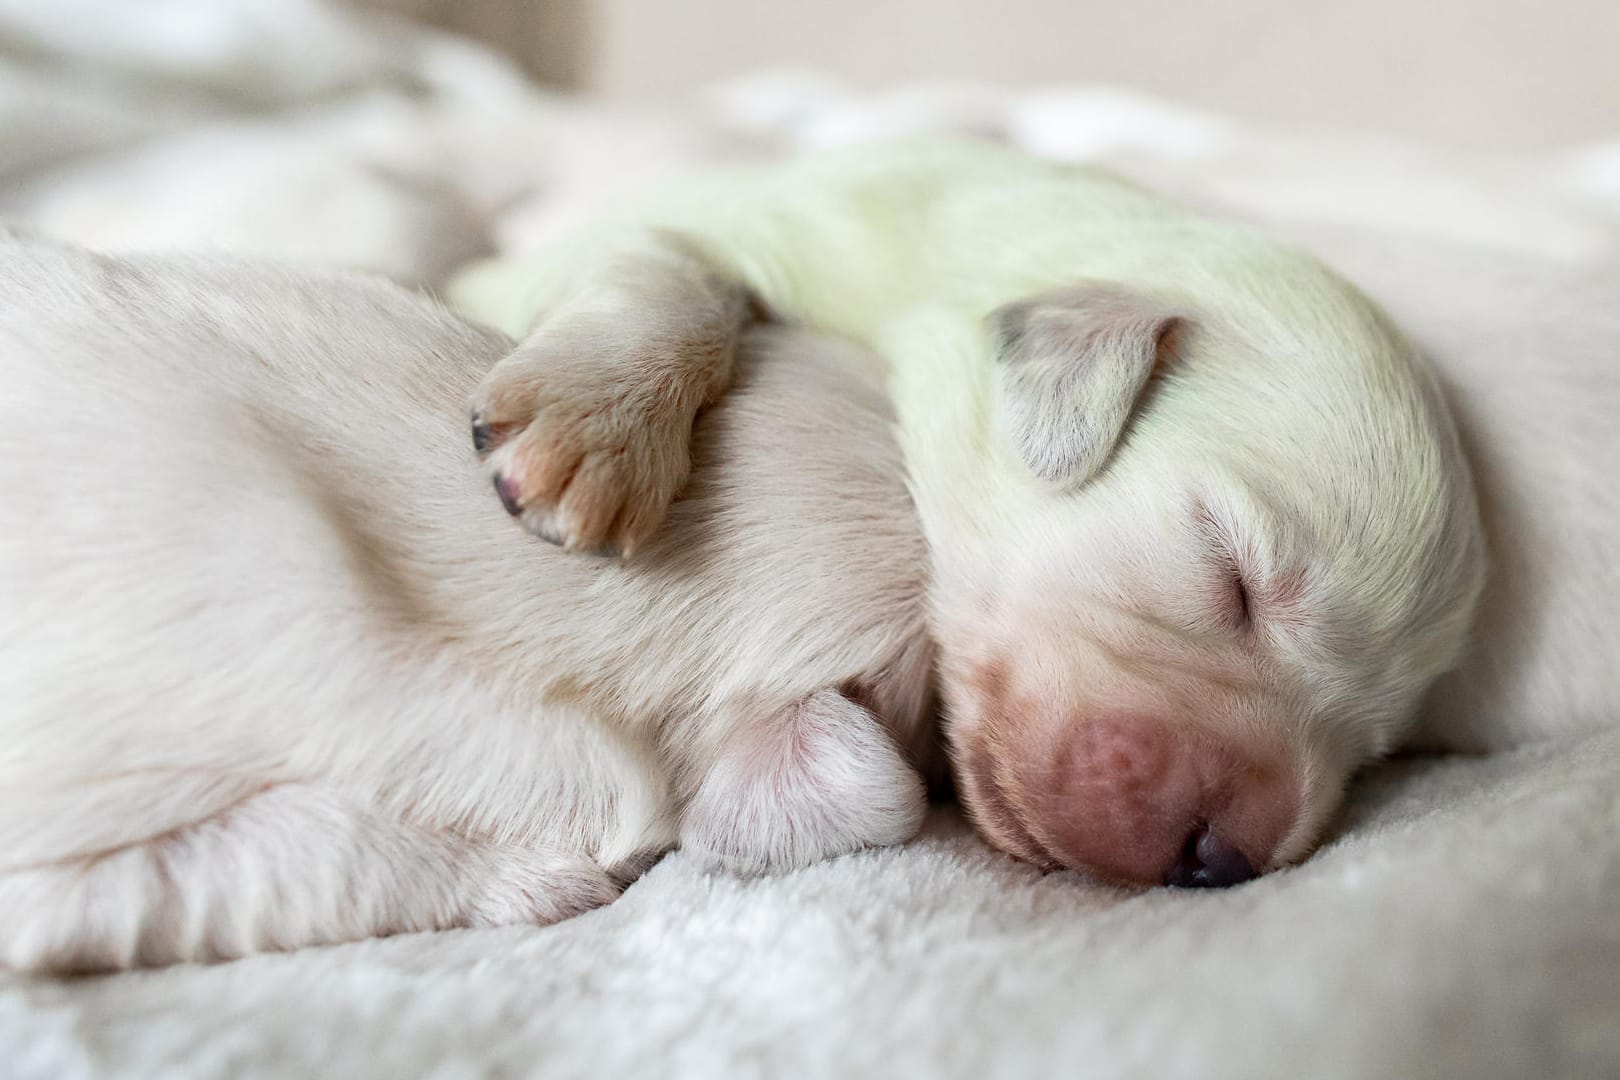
x: 274, y: 670
x: 1200, y: 529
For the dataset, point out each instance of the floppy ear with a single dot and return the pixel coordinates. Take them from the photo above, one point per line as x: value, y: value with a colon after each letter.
x: 1072, y: 364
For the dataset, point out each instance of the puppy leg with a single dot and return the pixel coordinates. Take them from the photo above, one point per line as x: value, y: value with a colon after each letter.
x: 587, y: 425
x: 820, y: 779
x: 288, y: 867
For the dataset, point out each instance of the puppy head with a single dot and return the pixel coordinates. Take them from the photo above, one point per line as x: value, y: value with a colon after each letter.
x: 1231, y: 541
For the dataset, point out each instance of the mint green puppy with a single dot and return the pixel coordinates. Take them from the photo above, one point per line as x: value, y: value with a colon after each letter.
x: 1200, y: 530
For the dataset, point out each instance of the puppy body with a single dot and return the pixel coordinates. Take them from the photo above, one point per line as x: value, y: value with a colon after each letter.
x: 275, y: 671
x: 1200, y: 527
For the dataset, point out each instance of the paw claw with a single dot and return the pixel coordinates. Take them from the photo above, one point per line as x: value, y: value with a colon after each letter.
x: 594, y: 478
x: 508, y: 492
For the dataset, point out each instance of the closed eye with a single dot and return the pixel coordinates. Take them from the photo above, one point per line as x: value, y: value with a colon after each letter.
x: 1242, y: 601
x: 1235, y: 597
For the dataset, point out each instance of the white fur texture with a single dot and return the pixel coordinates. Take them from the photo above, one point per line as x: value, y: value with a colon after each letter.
x: 277, y: 671
x: 775, y: 801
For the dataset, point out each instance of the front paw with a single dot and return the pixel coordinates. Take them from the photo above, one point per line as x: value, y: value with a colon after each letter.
x: 591, y: 459
x: 821, y: 778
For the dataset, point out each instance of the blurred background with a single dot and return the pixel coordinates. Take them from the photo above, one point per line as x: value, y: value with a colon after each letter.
x: 1474, y: 74
x: 412, y: 137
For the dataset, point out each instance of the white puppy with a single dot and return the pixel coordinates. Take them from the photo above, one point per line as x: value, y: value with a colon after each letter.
x: 275, y: 671
x: 1200, y: 529
x: 1198, y: 537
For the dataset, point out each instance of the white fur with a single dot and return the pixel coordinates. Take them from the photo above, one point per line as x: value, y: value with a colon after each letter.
x: 276, y: 670
x: 772, y: 801
x: 1293, y: 438
x: 1526, y: 349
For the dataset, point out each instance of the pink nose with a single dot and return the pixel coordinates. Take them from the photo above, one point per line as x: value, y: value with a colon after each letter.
x: 1136, y: 799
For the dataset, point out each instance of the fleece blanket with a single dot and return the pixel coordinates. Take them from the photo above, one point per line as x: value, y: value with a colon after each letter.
x: 1464, y: 919
x: 1464, y: 924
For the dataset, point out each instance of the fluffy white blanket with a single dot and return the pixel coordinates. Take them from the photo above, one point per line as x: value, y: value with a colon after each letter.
x: 1464, y: 925
x: 1466, y: 920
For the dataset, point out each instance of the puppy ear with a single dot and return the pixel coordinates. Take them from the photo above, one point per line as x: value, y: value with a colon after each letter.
x: 1072, y: 364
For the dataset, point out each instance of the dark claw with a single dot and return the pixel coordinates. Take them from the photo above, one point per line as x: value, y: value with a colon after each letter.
x: 481, y: 434
x: 509, y: 496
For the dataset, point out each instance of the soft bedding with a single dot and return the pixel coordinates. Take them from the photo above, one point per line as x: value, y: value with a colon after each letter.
x: 1464, y: 920
x: 1463, y: 925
